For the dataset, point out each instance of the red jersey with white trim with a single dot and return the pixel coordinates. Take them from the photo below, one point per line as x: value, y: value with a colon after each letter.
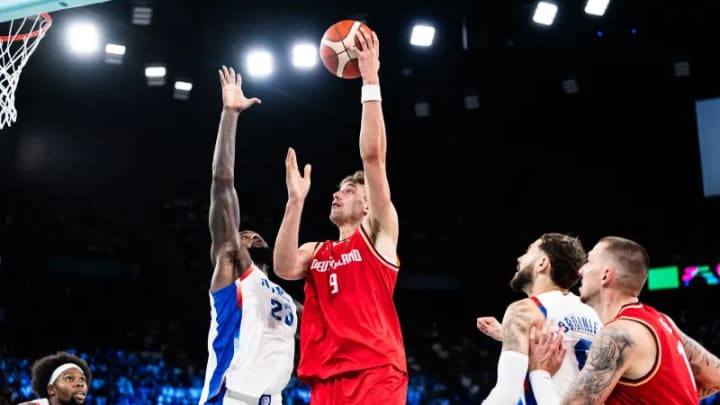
x: 349, y: 322
x: 670, y: 382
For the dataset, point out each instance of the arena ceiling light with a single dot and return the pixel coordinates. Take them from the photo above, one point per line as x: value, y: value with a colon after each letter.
x: 681, y: 67
x: 142, y: 12
x: 422, y: 109
x: 259, y: 63
x: 596, y: 7
x: 83, y: 38
x: 422, y: 35
x: 155, y: 75
x: 114, y: 53
x: 182, y: 89
x: 304, y: 55
x: 545, y: 13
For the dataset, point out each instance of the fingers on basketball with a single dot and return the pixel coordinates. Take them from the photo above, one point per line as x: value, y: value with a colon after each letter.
x: 361, y: 37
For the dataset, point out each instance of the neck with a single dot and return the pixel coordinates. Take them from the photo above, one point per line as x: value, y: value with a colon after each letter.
x: 53, y: 400
x: 542, y: 285
x: 610, y: 305
x: 346, y: 230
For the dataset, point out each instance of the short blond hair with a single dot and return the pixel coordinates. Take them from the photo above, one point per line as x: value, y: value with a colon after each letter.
x: 633, y: 260
x: 356, y: 178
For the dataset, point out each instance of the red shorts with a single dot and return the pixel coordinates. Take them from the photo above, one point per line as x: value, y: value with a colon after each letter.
x: 384, y: 385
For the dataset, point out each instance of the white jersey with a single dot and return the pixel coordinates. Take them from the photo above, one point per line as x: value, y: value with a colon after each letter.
x: 579, y: 323
x: 251, y: 343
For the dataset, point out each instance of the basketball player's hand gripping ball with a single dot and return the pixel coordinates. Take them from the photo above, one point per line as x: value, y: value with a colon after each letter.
x: 338, y: 48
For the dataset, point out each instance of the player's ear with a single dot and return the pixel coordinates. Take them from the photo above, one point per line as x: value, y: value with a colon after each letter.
x: 608, y: 273
x: 543, y: 263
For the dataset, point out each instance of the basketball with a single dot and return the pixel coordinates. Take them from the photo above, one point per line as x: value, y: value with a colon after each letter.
x: 336, y: 48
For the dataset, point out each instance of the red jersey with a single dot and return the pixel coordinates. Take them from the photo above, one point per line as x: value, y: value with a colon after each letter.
x: 670, y: 381
x: 349, y: 322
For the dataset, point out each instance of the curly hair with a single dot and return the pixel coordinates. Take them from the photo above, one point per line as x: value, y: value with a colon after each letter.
x: 43, y: 368
x: 566, y: 255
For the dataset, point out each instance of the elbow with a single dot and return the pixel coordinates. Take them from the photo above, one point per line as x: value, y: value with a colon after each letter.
x: 283, y: 274
x: 372, y: 155
x: 282, y: 271
x: 286, y: 272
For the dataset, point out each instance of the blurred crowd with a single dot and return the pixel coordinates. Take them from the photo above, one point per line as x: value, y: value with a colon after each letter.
x: 445, y: 368
x: 126, y: 289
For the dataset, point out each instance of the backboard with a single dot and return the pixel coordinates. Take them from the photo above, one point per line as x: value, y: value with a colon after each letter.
x: 14, y: 9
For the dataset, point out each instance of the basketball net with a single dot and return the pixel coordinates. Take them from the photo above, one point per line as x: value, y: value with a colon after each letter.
x: 15, y: 49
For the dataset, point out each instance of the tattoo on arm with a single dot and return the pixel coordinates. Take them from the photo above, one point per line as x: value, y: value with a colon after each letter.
x: 515, y: 326
x: 704, y: 365
x: 608, y: 354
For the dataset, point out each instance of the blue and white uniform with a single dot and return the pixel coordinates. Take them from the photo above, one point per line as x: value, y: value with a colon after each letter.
x: 579, y: 324
x: 251, y: 343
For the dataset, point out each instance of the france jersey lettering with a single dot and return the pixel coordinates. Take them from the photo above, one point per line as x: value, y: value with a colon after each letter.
x: 251, y: 343
x: 579, y: 324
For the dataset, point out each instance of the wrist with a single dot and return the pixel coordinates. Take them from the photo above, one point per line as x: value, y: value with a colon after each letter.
x: 231, y: 110
x: 370, y: 92
x: 371, y: 80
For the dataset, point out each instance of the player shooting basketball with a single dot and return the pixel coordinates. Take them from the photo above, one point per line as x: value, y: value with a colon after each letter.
x: 251, y: 342
x: 351, y: 347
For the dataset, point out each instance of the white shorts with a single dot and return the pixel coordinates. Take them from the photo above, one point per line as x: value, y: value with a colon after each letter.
x: 236, y: 398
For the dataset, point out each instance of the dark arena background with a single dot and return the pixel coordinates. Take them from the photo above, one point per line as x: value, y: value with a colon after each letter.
x: 501, y: 130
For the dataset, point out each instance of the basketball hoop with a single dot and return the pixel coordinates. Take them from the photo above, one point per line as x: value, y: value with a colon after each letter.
x: 23, y: 37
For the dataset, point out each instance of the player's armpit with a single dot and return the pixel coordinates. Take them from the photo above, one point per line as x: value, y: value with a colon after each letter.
x: 518, y: 318
x: 302, y: 262
x: 705, y: 366
x: 609, y: 357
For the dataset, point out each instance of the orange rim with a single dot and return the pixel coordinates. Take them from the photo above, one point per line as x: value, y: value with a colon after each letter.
x: 33, y: 34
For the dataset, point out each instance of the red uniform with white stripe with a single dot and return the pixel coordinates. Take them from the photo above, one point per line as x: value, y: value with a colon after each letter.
x: 670, y: 382
x: 349, y: 322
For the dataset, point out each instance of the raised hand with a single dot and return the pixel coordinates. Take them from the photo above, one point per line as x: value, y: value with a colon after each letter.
x: 232, y: 94
x: 368, y: 55
x: 490, y: 326
x: 298, y: 185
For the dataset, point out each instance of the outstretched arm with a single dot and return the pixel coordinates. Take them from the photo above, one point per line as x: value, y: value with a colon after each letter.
x: 382, y: 221
x: 226, y: 252
x: 289, y: 262
x: 704, y: 365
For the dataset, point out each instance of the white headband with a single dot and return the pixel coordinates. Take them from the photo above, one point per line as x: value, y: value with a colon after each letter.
x: 55, y: 374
